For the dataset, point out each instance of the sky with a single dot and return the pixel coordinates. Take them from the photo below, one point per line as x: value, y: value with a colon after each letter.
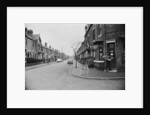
x: 59, y: 36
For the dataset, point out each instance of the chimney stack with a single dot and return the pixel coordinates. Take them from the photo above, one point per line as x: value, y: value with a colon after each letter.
x: 46, y: 45
x: 30, y: 32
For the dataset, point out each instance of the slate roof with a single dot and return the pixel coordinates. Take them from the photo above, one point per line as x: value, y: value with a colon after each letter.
x: 37, y: 37
x: 29, y: 36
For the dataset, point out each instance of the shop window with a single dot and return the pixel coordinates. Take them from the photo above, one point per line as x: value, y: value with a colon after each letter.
x: 100, y: 52
x: 94, y: 54
x: 111, y: 48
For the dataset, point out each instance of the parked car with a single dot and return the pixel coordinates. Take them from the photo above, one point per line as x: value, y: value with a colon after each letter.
x: 70, y: 61
x: 59, y: 60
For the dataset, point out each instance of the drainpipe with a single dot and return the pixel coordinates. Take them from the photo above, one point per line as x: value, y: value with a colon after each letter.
x: 104, y: 47
x: 116, y: 49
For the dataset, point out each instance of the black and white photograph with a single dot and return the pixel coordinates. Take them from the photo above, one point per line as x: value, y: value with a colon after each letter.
x: 74, y: 56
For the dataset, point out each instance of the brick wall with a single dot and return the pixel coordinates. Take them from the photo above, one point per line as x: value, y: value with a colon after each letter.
x: 120, y: 53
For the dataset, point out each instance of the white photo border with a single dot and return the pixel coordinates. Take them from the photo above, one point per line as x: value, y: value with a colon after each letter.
x: 18, y: 97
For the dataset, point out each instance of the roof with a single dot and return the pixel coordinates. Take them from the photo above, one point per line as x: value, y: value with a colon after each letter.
x: 37, y: 37
x: 29, y: 36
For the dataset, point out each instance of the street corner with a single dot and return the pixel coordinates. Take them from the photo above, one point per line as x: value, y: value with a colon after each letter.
x: 97, y: 75
x: 76, y: 71
x: 100, y: 74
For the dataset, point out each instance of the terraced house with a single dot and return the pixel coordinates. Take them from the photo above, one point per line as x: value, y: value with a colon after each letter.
x: 101, y: 40
x: 34, y: 48
x: 30, y: 44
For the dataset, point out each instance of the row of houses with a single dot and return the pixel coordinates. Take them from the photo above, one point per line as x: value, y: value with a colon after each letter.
x: 104, y: 39
x: 35, y: 49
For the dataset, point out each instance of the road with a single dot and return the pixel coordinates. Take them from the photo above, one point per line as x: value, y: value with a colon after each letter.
x: 58, y: 77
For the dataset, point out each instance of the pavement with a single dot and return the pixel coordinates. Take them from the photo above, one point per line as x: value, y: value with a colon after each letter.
x: 83, y: 71
x: 58, y: 76
x: 38, y: 65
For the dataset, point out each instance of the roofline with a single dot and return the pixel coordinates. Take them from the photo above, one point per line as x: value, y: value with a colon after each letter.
x: 88, y: 29
x: 30, y: 38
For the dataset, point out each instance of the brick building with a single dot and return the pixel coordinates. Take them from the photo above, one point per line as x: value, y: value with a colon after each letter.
x: 33, y: 46
x: 102, y: 39
x: 39, y: 49
x: 30, y: 44
x: 35, y: 50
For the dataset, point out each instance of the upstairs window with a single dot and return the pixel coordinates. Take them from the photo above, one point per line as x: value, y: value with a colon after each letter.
x: 99, y: 29
x: 94, y: 34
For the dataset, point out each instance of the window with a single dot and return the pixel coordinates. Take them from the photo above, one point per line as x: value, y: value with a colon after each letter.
x: 94, y: 34
x: 100, y: 51
x: 99, y: 29
x: 32, y: 44
x: 94, y: 54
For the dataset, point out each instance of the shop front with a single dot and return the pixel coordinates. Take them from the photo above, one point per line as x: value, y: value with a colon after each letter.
x: 111, y: 51
x: 98, y: 49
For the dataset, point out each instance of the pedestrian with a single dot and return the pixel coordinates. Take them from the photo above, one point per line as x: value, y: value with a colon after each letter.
x: 108, y: 63
x: 107, y: 60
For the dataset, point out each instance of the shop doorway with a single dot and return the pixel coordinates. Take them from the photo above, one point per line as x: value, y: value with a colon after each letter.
x: 111, y: 53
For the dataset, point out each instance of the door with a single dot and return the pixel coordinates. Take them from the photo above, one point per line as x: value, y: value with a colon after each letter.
x: 111, y: 53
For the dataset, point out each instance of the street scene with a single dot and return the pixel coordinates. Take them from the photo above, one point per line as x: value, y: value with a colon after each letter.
x: 74, y: 56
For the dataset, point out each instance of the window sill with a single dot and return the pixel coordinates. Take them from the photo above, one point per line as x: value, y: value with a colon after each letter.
x: 98, y: 61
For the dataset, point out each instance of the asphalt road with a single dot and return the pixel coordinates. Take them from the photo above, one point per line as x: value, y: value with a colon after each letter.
x: 58, y: 77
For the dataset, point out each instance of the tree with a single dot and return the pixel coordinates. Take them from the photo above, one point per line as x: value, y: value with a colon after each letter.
x: 75, y: 47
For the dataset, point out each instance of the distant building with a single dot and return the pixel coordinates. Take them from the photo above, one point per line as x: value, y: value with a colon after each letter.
x: 35, y: 49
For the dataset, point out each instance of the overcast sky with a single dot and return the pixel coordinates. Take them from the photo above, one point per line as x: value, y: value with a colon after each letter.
x: 59, y: 35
